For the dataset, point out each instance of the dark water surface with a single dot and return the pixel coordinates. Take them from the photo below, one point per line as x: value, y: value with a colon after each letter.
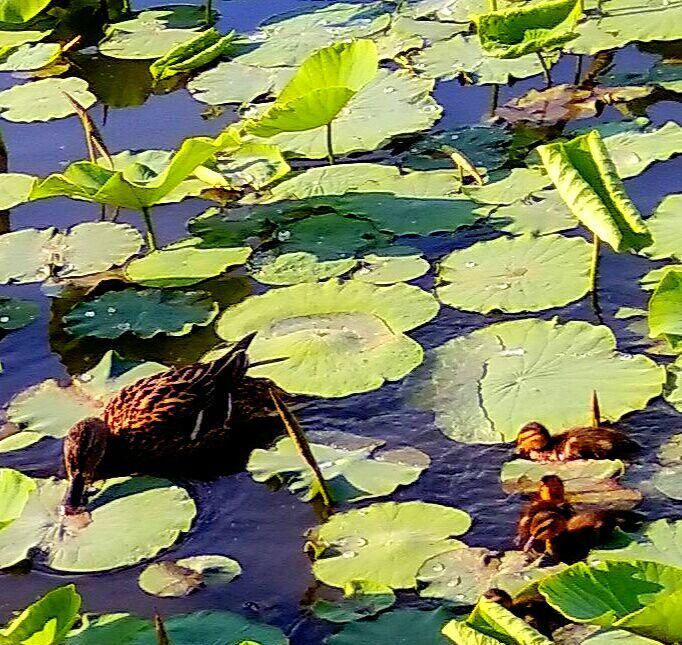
x: 260, y: 528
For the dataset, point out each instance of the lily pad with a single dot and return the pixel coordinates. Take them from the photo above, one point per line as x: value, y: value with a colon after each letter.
x: 354, y: 467
x: 361, y: 599
x: 664, y: 308
x: 44, y: 99
x: 665, y: 230
x: 30, y: 57
x: 33, y: 255
x: 387, y: 269
x: 544, y: 212
x: 15, y: 189
x: 255, y: 165
x: 146, y: 514
x: 294, y: 268
x: 15, y: 313
x: 524, y: 273
x: 184, y: 263
x: 520, y: 183
x: 353, y: 333
x: 485, y: 386
x: 182, y: 577
x: 143, y: 313
x: 50, y: 409
x: 668, y: 479
x: 21, y: 11
x: 386, y: 542
x: 16, y: 489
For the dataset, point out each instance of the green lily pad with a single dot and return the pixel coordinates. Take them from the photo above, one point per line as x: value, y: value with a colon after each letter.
x: 32, y: 255
x: 184, y: 263
x: 361, y: 599
x: 50, y: 409
x: 668, y: 479
x: 665, y: 230
x: 15, y: 189
x: 387, y: 269
x: 143, y: 313
x: 664, y: 308
x: 10, y: 40
x: 146, y: 514
x: 15, y: 313
x: 545, y: 212
x: 485, y: 386
x: 400, y: 626
x: 354, y: 467
x: 294, y: 268
x: 30, y: 57
x: 520, y: 183
x: 256, y: 165
x: 353, y: 333
x: 524, y: 273
x: 44, y: 99
x: 182, y: 577
x: 385, y: 542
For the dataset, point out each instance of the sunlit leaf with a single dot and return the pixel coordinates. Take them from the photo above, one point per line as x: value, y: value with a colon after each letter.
x: 666, y: 230
x: 19, y: 11
x: 665, y: 306
x: 294, y: 268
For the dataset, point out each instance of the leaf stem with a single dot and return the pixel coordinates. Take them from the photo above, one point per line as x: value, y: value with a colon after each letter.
x: 578, y: 69
x: 494, y: 99
x: 594, y: 266
x: 209, y: 12
x: 330, y: 147
x: 151, y: 236
x: 493, y: 5
x: 545, y: 69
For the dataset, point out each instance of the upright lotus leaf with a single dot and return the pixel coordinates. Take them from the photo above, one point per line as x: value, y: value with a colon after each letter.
x: 49, y: 409
x: 48, y: 620
x: 144, y: 313
x: 485, y: 386
x: 146, y: 515
x: 192, y: 54
x: 588, y: 182
x: 361, y: 599
x: 15, y: 313
x: 184, y: 263
x: 352, y: 333
x: 537, y: 27
x: 295, y: 268
x: 15, y: 489
x: 400, y: 626
x: 665, y: 229
x: 385, y: 542
x: 523, y: 273
x: 33, y: 255
x: 320, y: 88
x: 354, y: 467
x: 20, y: 11
x: 665, y: 308
x: 135, y: 187
x: 44, y: 99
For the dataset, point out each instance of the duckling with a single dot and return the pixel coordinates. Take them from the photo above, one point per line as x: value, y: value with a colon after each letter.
x: 533, y: 610
x: 551, y: 496
x: 163, y: 421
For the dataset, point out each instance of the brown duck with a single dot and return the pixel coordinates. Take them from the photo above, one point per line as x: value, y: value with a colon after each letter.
x: 166, y: 421
x: 551, y: 496
x: 533, y: 610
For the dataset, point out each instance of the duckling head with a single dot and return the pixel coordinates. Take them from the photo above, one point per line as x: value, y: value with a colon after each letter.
x: 552, y: 489
x: 545, y: 527
x: 500, y: 596
x: 532, y: 438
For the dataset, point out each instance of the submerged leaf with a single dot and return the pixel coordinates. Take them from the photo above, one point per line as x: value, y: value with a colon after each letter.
x: 169, y: 579
x: 15, y: 313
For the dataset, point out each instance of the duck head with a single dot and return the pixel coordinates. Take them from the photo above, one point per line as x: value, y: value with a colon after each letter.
x: 545, y: 527
x: 552, y: 489
x: 533, y: 438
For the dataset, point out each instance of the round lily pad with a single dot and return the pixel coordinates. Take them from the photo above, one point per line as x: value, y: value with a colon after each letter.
x: 351, y: 332
x: 354, y: 467
x: 386, y: 543
x: 182, y: 577
x: 362, y: 598
x: 143, y: 313
x: 184, y: 263
x: 523, y: 273
x: 44, y: 99
x: 30, y: 57
x: 146, y: 515
x: 294, y: 268
x: 520, y: 183
x: 386, y: 269
x: 15, y: 313
x: 15, y: 189
x: 485, y: 386
x: 544, y: 212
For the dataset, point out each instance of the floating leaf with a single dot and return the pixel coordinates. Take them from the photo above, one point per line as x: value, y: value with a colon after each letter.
x: 525, y: 273
x: 44, y: 99
x: 665, y: 230
x: 49, y: 409
x: 545, y: 212
x: 353, y: 333
x: 387, y: 269
x: 385, y: 542
x: 362, y: 598
x: 147, y: 515
x: 15, y: 189
x: 520, y: 183
x: 15, y: 313
x: 588, y: 182
x: 32, y: 255
x: 485, y: 386
x: 30, y: 57
x: 664, y: 308
x: 184, y: 263
x: 182, y: 577
x: 354, y: 467
x: 294, y: 268
x: 19, y: 11
x: 143, y: 313
x: 668, y: 479
x: 256, y: 165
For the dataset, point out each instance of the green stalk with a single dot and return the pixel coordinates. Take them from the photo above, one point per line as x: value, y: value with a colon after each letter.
x: 545, y: 69
x: 209, y: 12
x: 594, y: 265
x: 493, y: 5
x: 151, y: 236
x: 330, y: 147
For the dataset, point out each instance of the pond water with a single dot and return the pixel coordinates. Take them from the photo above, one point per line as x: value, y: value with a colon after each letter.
x: 262, y: 528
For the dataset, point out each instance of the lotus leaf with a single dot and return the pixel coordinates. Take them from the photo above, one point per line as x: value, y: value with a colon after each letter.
x: 353, y: 333
x: 15, y: 488
x: 361, y: 598
x: 294, y: 268
x: 588, y: 182
x: 143, y: 313
x: 30, y: 57
x: 387, y: 269
x: 539, y: 27
x: 255, y: 164
x: 205, y: 627
x: 182, y: 577
x: 545, y: 212
x: 319, y: 89
x: 462, y: 575
x: 20, y: 11
x: 47, y: 621
x: 32, y: 255
x: 385, y: 542
x: 668, y: 480
x: 15, y: 189
x: 520, y: 183
x: 516, y: 274
x: 15, y: 313
x: 369, y: 120
x: 664, y: 308
x: 10, y: 40
x: 485, y: 386
x: 146, y: 514
x: 184, y: 263
x: 49, y: 409
x: 665, y: 230
x: 400, y: 626
x: 189, y: 55
x: 351, y: 465
x: 44, y: 99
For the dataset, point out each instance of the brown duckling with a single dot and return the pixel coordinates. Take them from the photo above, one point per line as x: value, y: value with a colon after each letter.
x: 533, y: 610
x: 551, y: 496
